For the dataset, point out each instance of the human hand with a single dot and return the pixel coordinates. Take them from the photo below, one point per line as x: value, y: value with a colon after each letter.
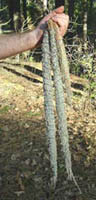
x: 57, y: 16
x: 61, y: 19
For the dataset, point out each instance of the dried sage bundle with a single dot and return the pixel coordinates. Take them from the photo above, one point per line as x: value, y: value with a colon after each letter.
x: 48, y: 103
x: 54, y: 58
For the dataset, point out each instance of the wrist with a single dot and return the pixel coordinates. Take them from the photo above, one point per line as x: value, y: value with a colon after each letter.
x: 39, y: 34
x: 35, y: 37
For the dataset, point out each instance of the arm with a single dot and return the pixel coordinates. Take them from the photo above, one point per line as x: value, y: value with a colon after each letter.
x: 16, y: 43
x: 13, y: 44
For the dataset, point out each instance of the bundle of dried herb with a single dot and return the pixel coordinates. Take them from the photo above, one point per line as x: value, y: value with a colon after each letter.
x: 54, y: 56
x: 63, y: 62
x: 48, y: 103
x: 60, y: 106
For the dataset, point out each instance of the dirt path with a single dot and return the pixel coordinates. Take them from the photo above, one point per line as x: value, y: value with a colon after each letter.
x: 24, y: 160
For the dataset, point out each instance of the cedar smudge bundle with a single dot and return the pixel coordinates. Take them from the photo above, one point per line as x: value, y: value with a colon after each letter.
x: 54, y: 58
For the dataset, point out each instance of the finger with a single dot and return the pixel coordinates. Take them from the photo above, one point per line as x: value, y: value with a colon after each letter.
x: 43, y: 22
x: 59, y: 10
x: 63, y: 30
x: 61, y: 19
x: 61, y: 22
x: 49, y: 16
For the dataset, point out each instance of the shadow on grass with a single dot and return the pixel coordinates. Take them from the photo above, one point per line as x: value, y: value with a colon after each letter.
x: 22, y: 75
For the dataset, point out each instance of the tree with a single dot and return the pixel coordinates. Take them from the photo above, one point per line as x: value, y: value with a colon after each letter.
x: 1, y: 2
x: 85, y: 16
x: 71, y: 9
x: 91, y: 4
x: 14, y: 14
x: 3, y: 9
x: 24, y: 12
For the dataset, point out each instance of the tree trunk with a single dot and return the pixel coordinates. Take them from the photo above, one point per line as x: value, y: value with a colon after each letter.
x: 0, y: 10
x: 85, y: 16
x: 71, y: 9
x: 24, y: 9
x: 0, y: 4
x: 17, y: 16
x: 91, y: 4
x: 14, y: 14
x: 45, y: 4
x: 11, y: 12
x: 2, y: 15
x: 66, y: 3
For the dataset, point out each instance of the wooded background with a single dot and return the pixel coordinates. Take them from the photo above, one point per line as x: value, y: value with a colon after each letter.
x: 25, y: 171
x: 80, y: 40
